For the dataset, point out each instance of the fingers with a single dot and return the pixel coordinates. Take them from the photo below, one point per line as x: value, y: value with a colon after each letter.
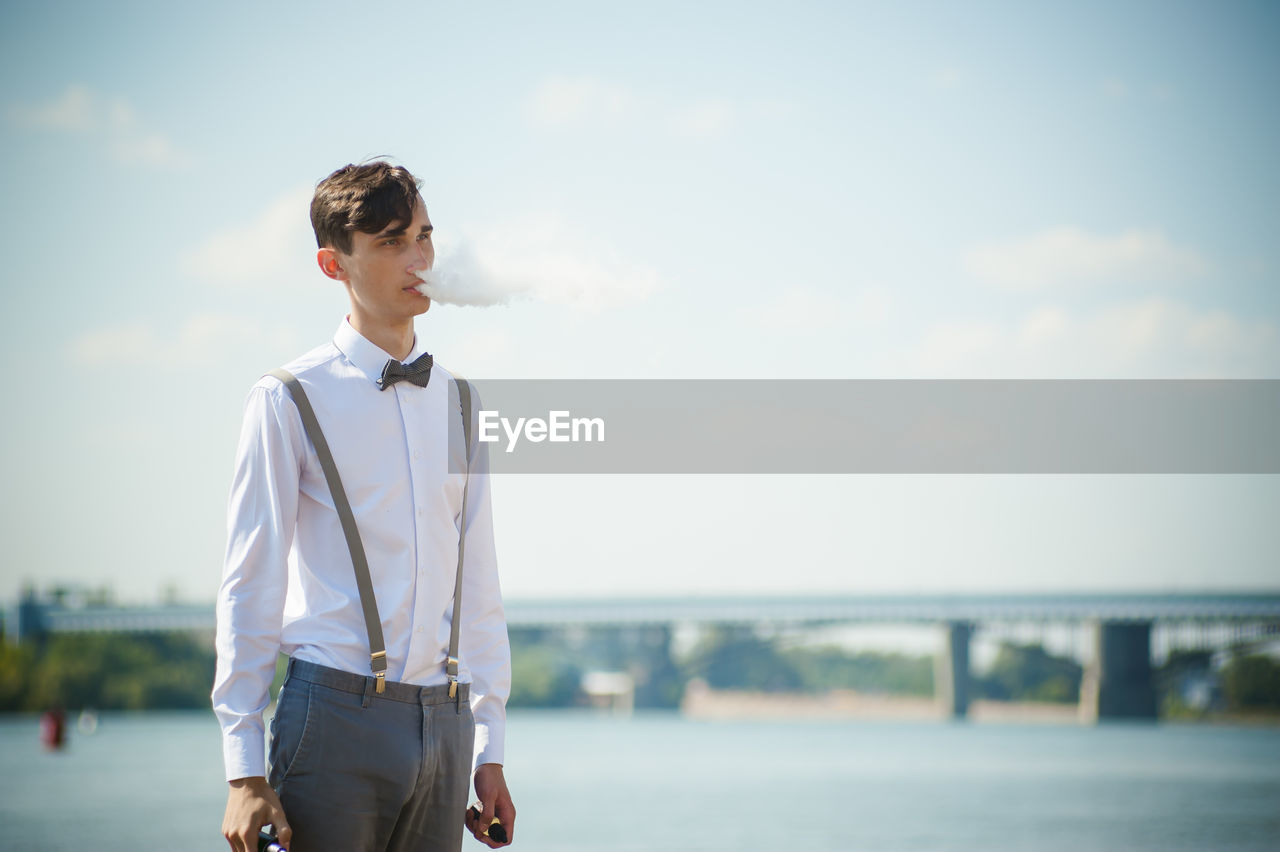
x: 491, y: 787
x: 478, y: 823
x: 236, y: 831
x: 488, y: 841
x: 484, y: 828
x: 283, y: 832
x: 241, y: 842
x: 472, y: 822
x: 251, y: 803
x: 506, y: 814
x: 504, y: 810
x: 499, y: 829
x: 487, y: 797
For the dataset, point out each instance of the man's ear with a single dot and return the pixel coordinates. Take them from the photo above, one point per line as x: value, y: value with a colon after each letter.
x: 331, y: 264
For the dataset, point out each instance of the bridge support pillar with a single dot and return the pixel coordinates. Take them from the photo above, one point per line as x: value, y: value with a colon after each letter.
x: 29, y: 623
x: 951, y: 670
x: 1117, y: 683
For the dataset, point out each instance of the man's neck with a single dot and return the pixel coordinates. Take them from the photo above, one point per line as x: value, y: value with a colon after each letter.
x: 395, y: 339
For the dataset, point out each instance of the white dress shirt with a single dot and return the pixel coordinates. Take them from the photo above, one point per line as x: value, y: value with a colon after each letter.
x: 288, y: 583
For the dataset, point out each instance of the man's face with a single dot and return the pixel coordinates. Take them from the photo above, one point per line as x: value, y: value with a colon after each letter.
x: 379, y: 271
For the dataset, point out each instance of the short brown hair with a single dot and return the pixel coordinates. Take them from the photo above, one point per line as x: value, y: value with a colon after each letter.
x: 365, y: 198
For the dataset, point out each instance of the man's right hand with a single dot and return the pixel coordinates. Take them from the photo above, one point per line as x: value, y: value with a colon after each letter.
x: 251, y: 804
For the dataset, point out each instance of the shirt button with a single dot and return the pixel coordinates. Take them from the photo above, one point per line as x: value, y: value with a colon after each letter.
x: 417, y: 454
x: 419, y: 630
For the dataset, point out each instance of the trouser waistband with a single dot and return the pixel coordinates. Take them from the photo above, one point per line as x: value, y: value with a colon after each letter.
x: 407, y: 693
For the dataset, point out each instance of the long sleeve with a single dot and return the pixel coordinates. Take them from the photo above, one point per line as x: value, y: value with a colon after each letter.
x: 483, y: 643
x: 288, y: 584
x: 261, y: 518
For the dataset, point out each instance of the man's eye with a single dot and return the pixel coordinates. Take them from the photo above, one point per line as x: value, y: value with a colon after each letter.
x: 391, y: 242
x: 425, y: 236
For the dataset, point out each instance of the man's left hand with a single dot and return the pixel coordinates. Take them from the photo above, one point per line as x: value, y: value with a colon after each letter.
x: 491, y: 789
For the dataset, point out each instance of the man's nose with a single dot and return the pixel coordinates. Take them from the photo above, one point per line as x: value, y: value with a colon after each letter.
x: 422, y: 257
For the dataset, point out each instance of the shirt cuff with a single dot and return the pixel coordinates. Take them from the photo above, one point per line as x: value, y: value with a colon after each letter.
x: 489, y: 741
x: 244, y: 754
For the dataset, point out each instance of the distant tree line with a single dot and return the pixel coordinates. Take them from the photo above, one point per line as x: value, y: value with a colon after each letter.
x: 549, y: 666
x: 121, y: 671
x: 1029, y: 673
x: 740, y: 658
x: 106, y: 671
x: 1252, y: 682
x: 1249, y: 683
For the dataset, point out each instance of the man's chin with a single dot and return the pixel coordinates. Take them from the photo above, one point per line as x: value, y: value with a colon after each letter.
x: 421, y: 301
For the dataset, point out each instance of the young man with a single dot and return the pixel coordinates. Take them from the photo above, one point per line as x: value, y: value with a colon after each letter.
x: 355, y: 767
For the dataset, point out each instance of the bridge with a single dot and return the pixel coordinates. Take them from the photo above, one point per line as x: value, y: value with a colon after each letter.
x: 1117, y: 681
x: 896, y: 609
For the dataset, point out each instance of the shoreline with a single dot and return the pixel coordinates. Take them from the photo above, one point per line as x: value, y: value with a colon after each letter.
x: 705, y: 704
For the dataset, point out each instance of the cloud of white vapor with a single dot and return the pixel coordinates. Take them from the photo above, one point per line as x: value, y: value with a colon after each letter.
x: 543, y: 261
x: 459, y: 278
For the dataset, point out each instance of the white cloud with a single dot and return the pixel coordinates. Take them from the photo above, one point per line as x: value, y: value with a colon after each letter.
x: 804, y: 309
x: 1151, y: 338
x: 562, y: 100
x: 1114, y: 87
x: 127, y: 344
x: 947, y: 79
x: 1072, y: 257
x: 75, y: 109
x: 705, y: 119
x: 274, y: 246
x: 111, y: 121
x: 145, y: 149
x: 202, y: 340
x: 572, y: 102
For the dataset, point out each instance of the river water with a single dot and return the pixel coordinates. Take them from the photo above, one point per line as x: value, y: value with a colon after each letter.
x: 665, y: 783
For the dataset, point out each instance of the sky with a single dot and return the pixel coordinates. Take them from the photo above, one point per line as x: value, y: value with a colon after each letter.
x: 669, y: 190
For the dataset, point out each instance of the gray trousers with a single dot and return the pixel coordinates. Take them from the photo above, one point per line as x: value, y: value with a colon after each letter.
x: 362, y: 772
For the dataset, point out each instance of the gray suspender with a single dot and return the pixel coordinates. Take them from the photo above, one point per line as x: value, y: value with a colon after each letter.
x: 373, y: 624
x: 455, y: 624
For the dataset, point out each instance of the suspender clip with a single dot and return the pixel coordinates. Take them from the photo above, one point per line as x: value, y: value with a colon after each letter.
x: 451, y: 669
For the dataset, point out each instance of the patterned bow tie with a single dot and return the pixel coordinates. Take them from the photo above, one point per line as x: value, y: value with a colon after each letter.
x: 418, y: 372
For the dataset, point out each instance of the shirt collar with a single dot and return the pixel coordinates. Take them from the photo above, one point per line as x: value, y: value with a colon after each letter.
x: 367, y: 357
